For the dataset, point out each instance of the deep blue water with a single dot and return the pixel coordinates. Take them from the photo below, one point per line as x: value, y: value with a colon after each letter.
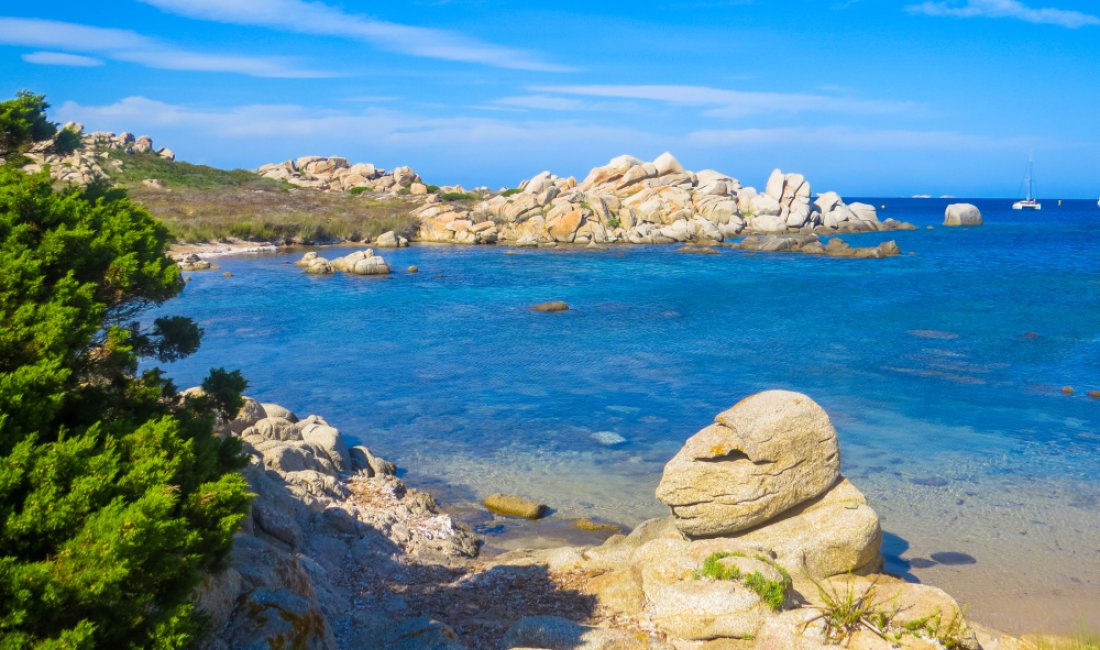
x: 942, y: 366
x: 941, y: 336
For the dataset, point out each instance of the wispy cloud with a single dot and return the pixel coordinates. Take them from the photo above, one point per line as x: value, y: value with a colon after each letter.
x: 541, y: 102
x: 61, y: 58
x: 318, y: 18
x: 734, y: 103
x: 131, y: 47
x: 844, y: 137
x: 1006, y: 9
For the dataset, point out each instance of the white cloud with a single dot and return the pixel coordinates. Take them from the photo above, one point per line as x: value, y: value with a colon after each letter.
x: 848, y: 138
x: 1006, y: 9
x: 60, y: 58
x: 131, y: 47
x: 318, y: 18
x: 541, y: 102
x: 733, y: 103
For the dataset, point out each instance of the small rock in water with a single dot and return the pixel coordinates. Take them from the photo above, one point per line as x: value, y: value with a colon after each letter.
x: 1067, y: 390
x: 1094, y: 394
x: 1031, y: 335
x: 552, y: 306
x: 930, y: 481
x: 596, y: 526
x: 609, y: 438
x: 227, y: 274
x: 953, y: 558
x: 412, y: 269
x: 512, y: 506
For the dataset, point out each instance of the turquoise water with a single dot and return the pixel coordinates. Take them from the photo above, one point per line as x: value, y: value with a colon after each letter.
x: 942, y: 370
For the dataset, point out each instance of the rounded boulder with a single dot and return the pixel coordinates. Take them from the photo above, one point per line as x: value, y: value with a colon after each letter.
x: 770, y: 452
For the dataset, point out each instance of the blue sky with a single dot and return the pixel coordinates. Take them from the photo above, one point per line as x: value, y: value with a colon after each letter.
x: 866, y: 97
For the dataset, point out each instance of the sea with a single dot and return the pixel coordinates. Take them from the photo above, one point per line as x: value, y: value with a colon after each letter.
x: 957, y: 376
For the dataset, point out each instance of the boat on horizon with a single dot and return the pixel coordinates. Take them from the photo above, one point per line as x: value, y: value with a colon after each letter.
x: 1029, y: 202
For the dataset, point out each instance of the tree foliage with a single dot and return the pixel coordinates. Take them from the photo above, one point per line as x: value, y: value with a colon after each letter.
x: 23, y: 121
x: 115, y: 493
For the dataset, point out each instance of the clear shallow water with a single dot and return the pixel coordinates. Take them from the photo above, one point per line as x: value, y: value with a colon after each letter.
x: 951, y: 416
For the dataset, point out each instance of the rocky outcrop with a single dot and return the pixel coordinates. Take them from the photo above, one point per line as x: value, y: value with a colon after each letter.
x: 962, y: 214
x: 363, y: 262
x: 631, y: 201
x: 337, y: 174
x: 97, y: 150
x: 812, y: 244
x: 326, y: 522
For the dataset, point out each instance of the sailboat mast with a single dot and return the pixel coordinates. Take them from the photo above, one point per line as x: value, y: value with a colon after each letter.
x: 1027, y: 179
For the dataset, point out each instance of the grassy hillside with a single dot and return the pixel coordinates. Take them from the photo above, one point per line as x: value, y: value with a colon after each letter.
x: 200, y: 203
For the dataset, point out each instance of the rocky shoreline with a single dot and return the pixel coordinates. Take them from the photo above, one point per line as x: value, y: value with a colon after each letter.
x: 766, y: 542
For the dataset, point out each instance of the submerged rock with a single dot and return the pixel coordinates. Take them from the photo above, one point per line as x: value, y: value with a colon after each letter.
x: 513, y: 506
x: 552, y: 306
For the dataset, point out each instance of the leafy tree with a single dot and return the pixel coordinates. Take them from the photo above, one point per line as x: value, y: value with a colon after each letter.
x: 23, y: 121
x: 116, y: 494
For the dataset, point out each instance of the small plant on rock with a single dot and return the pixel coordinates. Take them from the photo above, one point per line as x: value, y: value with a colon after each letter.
x: 844, y: 613
x: 771, y: 592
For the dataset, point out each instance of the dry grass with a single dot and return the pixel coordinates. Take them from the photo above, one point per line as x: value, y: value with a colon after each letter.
x: 200, y: 204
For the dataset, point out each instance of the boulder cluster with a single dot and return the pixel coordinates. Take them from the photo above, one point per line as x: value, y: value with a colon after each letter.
x: 86, y: 163
x: 327, y: 521
x: 812, y: 244
x: 631, y: 201
x: 336, y: 173
x: 363, y: 262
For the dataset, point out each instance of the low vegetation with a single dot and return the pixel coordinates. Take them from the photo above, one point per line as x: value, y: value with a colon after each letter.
x: 200, y: 203
x: 772, y: 592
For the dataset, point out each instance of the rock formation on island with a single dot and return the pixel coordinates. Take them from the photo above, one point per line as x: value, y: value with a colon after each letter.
x: 96, y: 150
x: 630, y: 201
x: 363, y: 262
x: 765, y: 542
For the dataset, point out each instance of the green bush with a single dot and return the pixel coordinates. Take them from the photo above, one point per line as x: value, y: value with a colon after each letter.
x: 360, y: 190
x: 115, y: 494
x: 458, y: 196
x: 511, y: 192
x: 433, y: 189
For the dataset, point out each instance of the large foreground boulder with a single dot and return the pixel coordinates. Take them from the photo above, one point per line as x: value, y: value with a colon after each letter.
x: 767, y: 454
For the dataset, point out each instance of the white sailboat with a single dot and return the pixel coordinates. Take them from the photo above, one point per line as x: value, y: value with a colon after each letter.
x: 1029, y: 202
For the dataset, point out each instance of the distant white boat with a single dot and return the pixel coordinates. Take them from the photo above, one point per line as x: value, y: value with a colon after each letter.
x: 1029, y: 202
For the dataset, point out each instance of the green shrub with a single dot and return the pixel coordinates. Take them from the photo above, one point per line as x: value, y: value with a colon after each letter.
x: 115, y: 495
x: 458, y: 196
x: 433, y: 189
x: 360, y: 190
x: 511, y: 192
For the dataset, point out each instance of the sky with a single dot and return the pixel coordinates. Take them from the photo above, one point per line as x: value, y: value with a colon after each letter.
x: 864, y: 97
